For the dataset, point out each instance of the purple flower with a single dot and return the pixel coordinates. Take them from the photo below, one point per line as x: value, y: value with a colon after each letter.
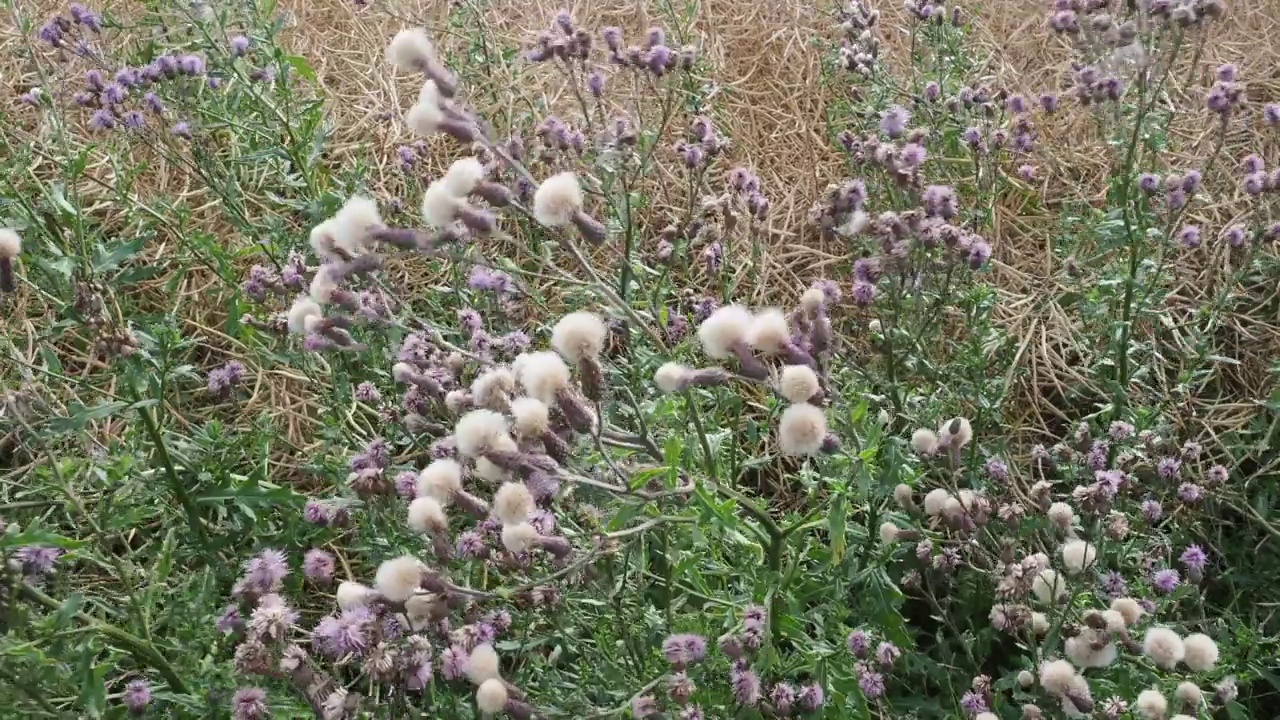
x: 93, y: 80
x: 782, y: 696
x: 1271, y: 113
x: 239, y: 45
x: 979, y: 253
x: 249, y: 704
x: 265, y: 572
x: 1191, y: 181
x: 83, y: 16
x: 1189, y: 236
x: 810, y: 697
x: 1194, y: 557
x: 1016, y: 104
x: 1168, y: 467
x: 642, y: 706
x: 318, y: 565
x: 1151, y: 510
x: 229, y: 621
x: 684, y: 650
x: 859, y: 644
x: 114, y: 94
x: 337, y: 636
x: 870, y: 681
x: 1217, y: 475
x: 367, y: 393
x: 137, y: 695
x: 1165, y: 581
x: 37, y: 560
x: 470, y: 545
x: 746, y: 686
x: 191, y: 65
x: 1189, y: 492
x: 1113, y: 584
x: 223, y: 379
x: 893, y: 122
x: 453, y: 662
x: 407, y: 485
x: 712, y: 255
x: 595, y: 83
x: 1226, y: 73
x: 932, y: 91
x: 1255, y: 183
x: 863, y: 293
x: 887, y: 653
x: 940, y: 201
x: 181, y: 129
x: 102, y: 120
x: 487, y: 280
x: 972, y: 703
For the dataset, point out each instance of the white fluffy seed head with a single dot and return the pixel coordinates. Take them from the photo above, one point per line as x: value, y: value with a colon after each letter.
x: 1164, y: 647
x: 455, y: 401
x: 1081, y: 651
x: 1026, y: 679
x: 798, y: 383
x: 1039, y: 623
x: 10, y: 244
x: 303, y: 308
x: 480, y: 431
x: 441, y: 480
x: 935, y: 501
x: 532, y: 416
x: 352, y: 595
x: 671, y: 377
x: 463, y: 176
x: 439, y: 206
x: 542, y: 374
x: 352, y: 224
x: 410, y: 49
x: 1200, y: 652
x: 1056, y: 676
x: 491, y: 389
x: 1077, y: 555
x: 557, y: 200
x: 491, y: 696
x: 812, y: 299
x: 519, y: 537
x: 579, y: 335
x: 489, y: 471
x: 725, y: 328
x: 483, y: 664
x: 986, y: 716
x: 961, y: 435
x: 1151, y: 705
x: 397, y: 579
x: 1128, y: 608
x: 801, y: 430
x: 888, y: 533
x: 426, y: 515
x: 323, y: 285
x: 768, y: 333
x: 321, y: 239
x: 1061, y: 515
x: 1115, y: 621
x: 1180, y: 716
x: 924, y: 441
x: 513, y: 503
x: 1048, y: 587
x: 1188, y: 693
x: 1079, y: 688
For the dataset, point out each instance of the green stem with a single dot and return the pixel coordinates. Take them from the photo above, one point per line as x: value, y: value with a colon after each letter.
x: 171, y: 474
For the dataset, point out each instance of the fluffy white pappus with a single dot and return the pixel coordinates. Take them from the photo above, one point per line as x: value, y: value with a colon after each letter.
x: 889, y: 533
x: 410, y: 49
x: 425, y: 118
x: 491, y: 389
x: 725, y: 328
x: 579, y: 335
x: 1039, y: 623
x: 483, y: 664
x: 1048, y: 587
x: 875, y: 327
x: 1079, y: 688
x: 1180, y: 716
x: 812, y: 299
x: 671, y: 377
x: 489, y: 471
x: 1061, y: 515
x: 1151, y: 705
x: 769, y: 332
x: 429, y: 94
x: 856, y: 223
x: 353, y: 223
x: 1114, y: 620
x: 323, y: 285
x: 956, y: 431
x: 352, y: 595
x: 439, y: 206
x: 463, y: 176
x: 543, y: 374
x: 321, y: 239
x: 10, y: 244
x: 1164, y: 647
x: 1025, y: 678
x: 1128, y: 608
x: 557, y: 200
x: 480, y: 431
x: 491, y: 696
x: 398, y: 578
x: 924, y: 441
x: 1081, y: 651
x: 801, y: 430
x: 1200, y: 652
x: 798, y: 383
x: 532, y: 416
x: 1188, y: 693
x: 513, y: 503
x: 441, y: 480
x: 935, y: 501
x: 455, y: 401
x: 426, y: 516
x: 303, y: 309
x: 519, y: 537
x: 1056, y: 676
x: 986, y: 716
x: 1077, y: 555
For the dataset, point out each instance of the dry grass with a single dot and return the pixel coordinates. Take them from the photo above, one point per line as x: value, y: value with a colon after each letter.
x: 770, y: 101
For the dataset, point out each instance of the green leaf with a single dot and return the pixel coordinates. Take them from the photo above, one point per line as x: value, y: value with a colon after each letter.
x: 835, y: 528
x: 300, y: 66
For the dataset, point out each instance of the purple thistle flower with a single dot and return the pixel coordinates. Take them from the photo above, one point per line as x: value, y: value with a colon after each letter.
x: 1113, y: 584
x: 1217, y: 475
x: 367, y: 393
x: 470, y: 545
x: 181, y: 129
x: 1176, y: 198
x: 893, y: 122
x: 684, y: 650
x: 407, y: 485
x: 93, y: 80
x: 1194, y: 557
x: 337, y: 636
x: 1165, y: 581
x: 1151, y: 510
x: 595, y: 83
x: 746, y: 686
x: 712, y: 255
x: 932, y: 91
x: 1189, y: 492
x: 1256, y: 183
x: 37, y: 560
x: 1226, y: 73
x: 102, y: 120
x: 1016, y: 104
x: 487, y: 280
x: 863, y: 293
x: 191, y: 65
x: 114, y: 94
x: 1252, y: 164
x: 318, y: 565
x: 1271, y: 113
x: 811, y: 697
x: 239, y: 45
x: 643, y: 706
x: 870, y: 681
x: 229, y: 621
x: 249, y: 704
x: 1168, y: 467
x: 1148, y: 183
x: 940, y: 201
x: 1189, y: 236
x: 514, y: 343
x: 979, y: 253
x: 265, y: 572
x: 972, y: 703
x: 859, y: 644
x: 887, y: 653
x: 1191, y: 181
x: 137, y: 695
x: 453, y: 662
